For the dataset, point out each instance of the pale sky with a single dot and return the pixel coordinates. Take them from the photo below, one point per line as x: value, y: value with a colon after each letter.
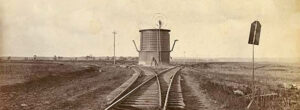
x: 204, y: 28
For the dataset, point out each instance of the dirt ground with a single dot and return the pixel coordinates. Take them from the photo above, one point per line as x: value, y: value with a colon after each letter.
x: 214, y: 83
x: 194, y: 96
x: 206, y: 85
x: 58, y: 85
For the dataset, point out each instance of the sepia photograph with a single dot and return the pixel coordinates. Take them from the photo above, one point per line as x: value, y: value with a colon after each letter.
x: 149, y: 55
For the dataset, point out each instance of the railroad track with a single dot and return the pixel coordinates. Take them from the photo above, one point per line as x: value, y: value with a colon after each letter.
x: 157, y: 91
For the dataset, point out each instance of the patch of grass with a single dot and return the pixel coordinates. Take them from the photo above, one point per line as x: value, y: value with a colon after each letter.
x: 220, y: 78
x: 56, y: 83
x: 12, y: 73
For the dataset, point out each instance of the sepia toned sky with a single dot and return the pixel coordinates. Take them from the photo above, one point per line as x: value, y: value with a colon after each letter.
x: 204, y: 28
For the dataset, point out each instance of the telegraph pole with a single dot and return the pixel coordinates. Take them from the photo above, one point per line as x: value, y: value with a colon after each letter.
x: 114, y: 32
x: 184, y: 57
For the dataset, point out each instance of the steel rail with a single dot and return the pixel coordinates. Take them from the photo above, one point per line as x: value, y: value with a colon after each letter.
x: 133, y: 90
x: 159, y: 91
x: 159, y: 87
x: 168, y: 91
x: 125, y: 96
x: 131, y: 83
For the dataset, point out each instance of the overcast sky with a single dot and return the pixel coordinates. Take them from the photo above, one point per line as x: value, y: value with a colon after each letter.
x: 204, y: 28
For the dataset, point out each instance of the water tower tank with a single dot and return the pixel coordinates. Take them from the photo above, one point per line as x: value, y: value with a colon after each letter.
x: 154, y: 47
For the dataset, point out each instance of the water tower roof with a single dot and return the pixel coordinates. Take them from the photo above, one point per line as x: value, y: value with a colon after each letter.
x: 155, y: 30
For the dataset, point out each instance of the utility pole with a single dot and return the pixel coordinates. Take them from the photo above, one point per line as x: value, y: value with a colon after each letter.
x: 184, y: 58
x: 114, y: 32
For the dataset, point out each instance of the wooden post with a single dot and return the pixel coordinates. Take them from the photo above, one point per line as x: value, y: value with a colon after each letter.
x: 253, y: 82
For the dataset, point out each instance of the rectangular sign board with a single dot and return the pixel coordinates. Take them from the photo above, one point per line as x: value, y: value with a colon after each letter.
x: 254, y: 33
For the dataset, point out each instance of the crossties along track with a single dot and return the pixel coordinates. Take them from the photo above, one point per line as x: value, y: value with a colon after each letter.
x: 150, y: 90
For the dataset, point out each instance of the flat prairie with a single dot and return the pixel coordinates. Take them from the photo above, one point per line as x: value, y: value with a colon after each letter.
x: 219, y: 80
x: 58, y: 85
x: 84, y: 85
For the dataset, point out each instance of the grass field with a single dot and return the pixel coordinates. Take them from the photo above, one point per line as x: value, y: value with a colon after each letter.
x: 82, y: 85
x: 58, y: 85
x: 220, y: 79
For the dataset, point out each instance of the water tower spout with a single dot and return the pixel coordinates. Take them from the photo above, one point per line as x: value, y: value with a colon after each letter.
x: 135, y: 46
x: 174, y: 44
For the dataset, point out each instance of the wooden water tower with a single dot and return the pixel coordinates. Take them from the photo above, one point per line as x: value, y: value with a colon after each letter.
x: 154, y: 47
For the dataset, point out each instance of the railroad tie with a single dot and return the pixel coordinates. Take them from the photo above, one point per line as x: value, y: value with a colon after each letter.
x: 176, y: 98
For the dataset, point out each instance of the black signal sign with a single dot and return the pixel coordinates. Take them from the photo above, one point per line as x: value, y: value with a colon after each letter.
x: 254, y: 33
